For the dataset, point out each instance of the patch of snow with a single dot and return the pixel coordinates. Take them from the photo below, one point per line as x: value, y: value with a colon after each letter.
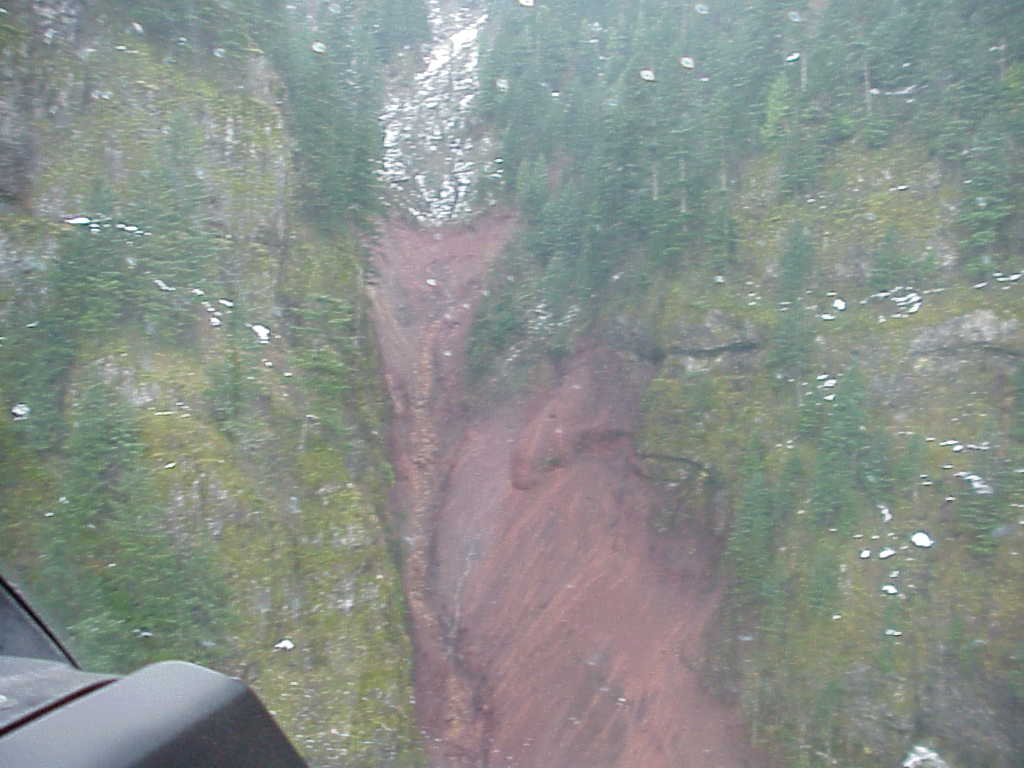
x: 262, y: 332
x: 922, y: 539
x: 20, y: 411
x: 162, y: 285
x: 886, y: 553
x: 922, y: 757
x: 284, y: 645
x: 687, y: 62
x: 433, y: 112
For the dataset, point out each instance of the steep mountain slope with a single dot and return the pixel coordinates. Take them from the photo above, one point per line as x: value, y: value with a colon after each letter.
x: 808, y: 220
x: 551, y: 627
x: 699, y: 326
x: 192, y: 458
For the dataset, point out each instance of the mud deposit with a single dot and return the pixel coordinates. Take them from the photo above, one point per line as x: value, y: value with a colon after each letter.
x: 552, y: 627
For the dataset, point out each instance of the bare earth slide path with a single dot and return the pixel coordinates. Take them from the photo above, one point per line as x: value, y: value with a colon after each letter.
x: 552, y: 627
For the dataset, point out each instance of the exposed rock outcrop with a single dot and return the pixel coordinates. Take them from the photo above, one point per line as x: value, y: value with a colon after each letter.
x: 982, y: 329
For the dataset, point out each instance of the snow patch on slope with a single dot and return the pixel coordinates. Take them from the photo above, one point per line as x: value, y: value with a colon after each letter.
x: 428, y: 153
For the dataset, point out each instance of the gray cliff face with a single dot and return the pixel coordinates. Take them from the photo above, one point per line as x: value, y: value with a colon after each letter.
x: 26, y: 94
x: 983, y: 329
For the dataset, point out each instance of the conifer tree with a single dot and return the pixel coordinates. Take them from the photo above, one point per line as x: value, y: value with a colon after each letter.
x: 128, y: 592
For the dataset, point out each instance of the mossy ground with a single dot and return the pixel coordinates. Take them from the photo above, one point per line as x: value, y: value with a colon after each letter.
x: 808, y: 656
x: 286, y: 493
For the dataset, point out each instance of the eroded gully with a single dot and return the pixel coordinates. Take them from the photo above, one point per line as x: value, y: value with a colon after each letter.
x: 551, y: 626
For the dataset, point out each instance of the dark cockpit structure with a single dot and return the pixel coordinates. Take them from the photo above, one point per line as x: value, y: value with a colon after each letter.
x: 171, y: 714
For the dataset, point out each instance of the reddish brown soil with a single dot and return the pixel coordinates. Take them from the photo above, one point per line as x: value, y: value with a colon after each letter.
x: 552, y: 628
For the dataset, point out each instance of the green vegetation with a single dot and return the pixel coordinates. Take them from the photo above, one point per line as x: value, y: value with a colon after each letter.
x: 649, y: 173
x: 181, y: 488
x: 730, y: 219
x: 201, y: 473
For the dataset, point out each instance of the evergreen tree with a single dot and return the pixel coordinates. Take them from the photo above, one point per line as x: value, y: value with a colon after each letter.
x: 990, y: 200
x: 795, y: 265
x: 750, y: 547
x: 128, y: 592
x: 890, y: 265
x: 1017, y: 414
x: 169, y: 202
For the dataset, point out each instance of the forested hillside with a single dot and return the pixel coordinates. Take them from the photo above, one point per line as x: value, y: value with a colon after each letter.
x: 766, y: 268
x: 810, y: 219
x: 192, y: 461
